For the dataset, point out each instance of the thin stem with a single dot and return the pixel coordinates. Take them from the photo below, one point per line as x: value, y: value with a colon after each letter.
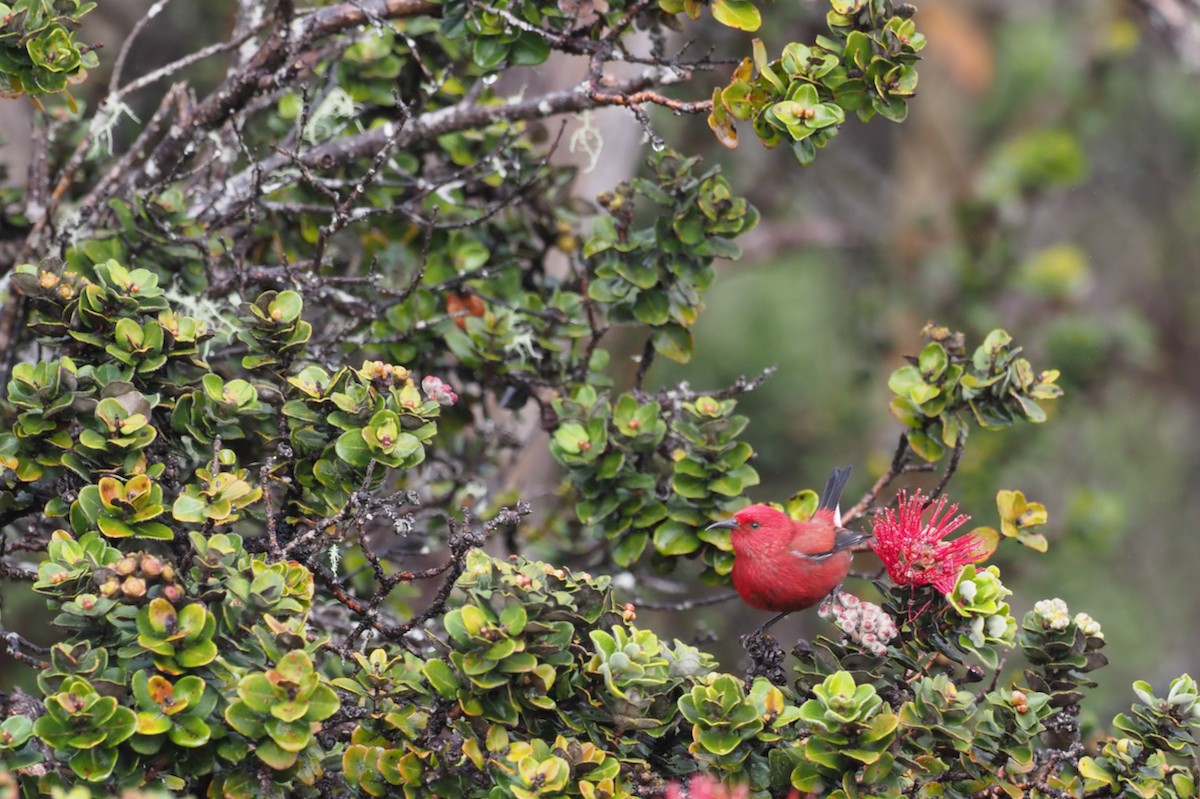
x: 686, y: 604
x: 955, y: 457
x: 127, y: 45
x: 899, y: 461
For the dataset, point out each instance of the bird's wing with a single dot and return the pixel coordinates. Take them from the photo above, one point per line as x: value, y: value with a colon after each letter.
x: 843, y: 539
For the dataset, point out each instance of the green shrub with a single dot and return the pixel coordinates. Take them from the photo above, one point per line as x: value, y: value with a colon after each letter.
x: 228, y: 510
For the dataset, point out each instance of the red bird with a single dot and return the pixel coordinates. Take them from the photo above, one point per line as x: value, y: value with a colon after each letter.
x: 786, y: 565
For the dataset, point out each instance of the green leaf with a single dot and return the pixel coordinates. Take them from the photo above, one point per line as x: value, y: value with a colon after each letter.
x: 739, y: 14
x: 638, y: 270
x: 1091, y: 770
x: 114, y: 528
x: 802, y: 505
x: 291, y: 736
x: 652, y: 308
x: 933, y: 361
x: 190, y: 732
x: 890, y: 108
x: 275, y: 756
x: 928, y: 448
x: 719, y: 741
x: 904, y: 380
x: 514, y: 619
x: 256, y: 691
x: 188, y: 508
x: 673, y: 538
x: 571, y: 437
x: 288, y: 710
x: 489, y: 51
x: 989, y: 539
x: 154, y: 530
x: 353, y: 449
x: 322, y: 704
x: 442, y: 678
x: 630, y: 548
x: 907, y: 411
x: 858, y: 50
x: 762, y: 64
x: 95, y: 764
x: 529, y: 50
x: 611, y: 465
x: 286, y: 307
x: 152, y: 723
x: 674, y: 342
x: 735, y: 481
x: 1035, y: 541
x: 200, y: 653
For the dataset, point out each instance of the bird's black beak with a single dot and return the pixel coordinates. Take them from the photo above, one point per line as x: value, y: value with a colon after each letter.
x: 725, y: 524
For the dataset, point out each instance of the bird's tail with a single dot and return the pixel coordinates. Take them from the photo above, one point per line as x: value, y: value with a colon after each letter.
x: 833, y: 489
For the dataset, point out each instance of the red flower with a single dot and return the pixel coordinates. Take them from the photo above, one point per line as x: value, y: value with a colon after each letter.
x: 702, y: 786
x: 912, y: 548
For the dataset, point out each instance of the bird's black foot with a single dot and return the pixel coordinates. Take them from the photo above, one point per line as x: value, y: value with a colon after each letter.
x: 831, y: 600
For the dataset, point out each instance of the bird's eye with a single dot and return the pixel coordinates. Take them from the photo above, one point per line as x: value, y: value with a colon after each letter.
x: 755, y: 525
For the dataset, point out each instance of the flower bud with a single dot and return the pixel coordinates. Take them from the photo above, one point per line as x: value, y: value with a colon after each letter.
x: 133, y: 587
x: 996, y: 626
x: 1053, y: 613
x: 1091, y: 627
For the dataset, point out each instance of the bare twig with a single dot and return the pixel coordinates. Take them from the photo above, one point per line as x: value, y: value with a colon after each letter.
x: 119, y: 65
x: 1179, y: 23
x: 17, y: 644
x: 419, y: 273
x: 351, y: 507
x: 137, y: 152
x: 344, y: 214
x: 899, y: 461
x: 952, y: 467
x: 686, y: 604
x: 644, y: 362
x: 462, y: 116
x: 462, y: 541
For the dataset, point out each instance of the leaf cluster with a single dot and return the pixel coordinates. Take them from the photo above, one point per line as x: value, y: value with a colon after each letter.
x: 39, y: 54
x: 866, y: 66
x: 939, y: 394
x: 226, y: 514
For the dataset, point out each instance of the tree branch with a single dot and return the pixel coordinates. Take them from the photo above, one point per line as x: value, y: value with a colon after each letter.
x: 1178, y: 21
x: 899, y: 461
x: 463, y: 116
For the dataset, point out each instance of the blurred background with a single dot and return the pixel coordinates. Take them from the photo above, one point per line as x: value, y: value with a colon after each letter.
x: 1047, y: 181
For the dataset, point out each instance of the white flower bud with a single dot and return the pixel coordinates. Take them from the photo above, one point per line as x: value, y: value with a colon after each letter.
x: 1054, y: 613
x: 997, y: 625
x: 1090, y: 626
x: 976, y: 633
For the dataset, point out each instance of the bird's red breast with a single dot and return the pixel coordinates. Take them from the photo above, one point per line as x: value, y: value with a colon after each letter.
x: 770, y: 567
x: 782, y: 564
